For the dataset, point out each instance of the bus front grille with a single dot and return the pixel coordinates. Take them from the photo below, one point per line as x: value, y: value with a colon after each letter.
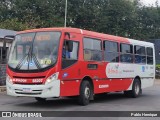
x: 28, y: 83
x: 25, y: 93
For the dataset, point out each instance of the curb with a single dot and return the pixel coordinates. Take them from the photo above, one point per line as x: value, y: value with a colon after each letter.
x: 2, y: 88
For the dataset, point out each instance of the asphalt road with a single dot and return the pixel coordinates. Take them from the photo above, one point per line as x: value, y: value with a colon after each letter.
x: 148, y: 101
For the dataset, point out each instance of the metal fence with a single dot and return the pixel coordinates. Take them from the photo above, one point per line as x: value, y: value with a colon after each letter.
x: 2, y: 74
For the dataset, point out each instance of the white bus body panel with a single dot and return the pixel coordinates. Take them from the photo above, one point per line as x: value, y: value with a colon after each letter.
x: 132, y: 70
x: 44, y: 91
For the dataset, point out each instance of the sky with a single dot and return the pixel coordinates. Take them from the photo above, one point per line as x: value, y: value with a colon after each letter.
x: 150, y: 2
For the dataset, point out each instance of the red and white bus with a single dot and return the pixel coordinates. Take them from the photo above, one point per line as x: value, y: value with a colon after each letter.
x: 58, y: 62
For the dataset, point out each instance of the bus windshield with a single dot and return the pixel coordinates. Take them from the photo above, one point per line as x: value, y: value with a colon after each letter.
x: 32, y: 51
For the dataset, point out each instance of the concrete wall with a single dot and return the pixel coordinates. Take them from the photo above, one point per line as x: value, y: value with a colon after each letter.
x: 2, y: 74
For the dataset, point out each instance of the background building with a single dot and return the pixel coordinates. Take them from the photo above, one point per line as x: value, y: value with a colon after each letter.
x: 157, y: 49
x: 4, y: 41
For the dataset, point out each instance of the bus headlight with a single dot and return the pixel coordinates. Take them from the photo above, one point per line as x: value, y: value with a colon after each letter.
x: 8, y: 79
x: 52, y: 78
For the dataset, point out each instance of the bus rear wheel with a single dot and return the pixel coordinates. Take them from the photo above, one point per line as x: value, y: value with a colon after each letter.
x: 136, y: 89
x: 85, y: 93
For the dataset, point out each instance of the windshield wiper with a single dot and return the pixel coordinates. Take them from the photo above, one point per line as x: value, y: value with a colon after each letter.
x: 36, y: 61
x: 30, y: 51
x: 30, y: 54
x: 19, y: 65
x: 29, y: 57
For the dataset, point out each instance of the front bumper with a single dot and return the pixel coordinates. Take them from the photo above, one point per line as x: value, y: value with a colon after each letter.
x: 44, y: 91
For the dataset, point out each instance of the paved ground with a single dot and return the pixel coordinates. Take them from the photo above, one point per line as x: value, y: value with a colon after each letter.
x: 148, y: 101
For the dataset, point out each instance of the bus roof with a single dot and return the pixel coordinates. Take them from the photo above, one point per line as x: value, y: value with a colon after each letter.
x: 91, y: 34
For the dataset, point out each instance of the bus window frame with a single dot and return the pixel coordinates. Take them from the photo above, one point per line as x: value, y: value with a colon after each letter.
x: 150, y: 56
x: 140, y: 54
x: 121, y: 53
x: 102, y: 51
x: 118, y: 50
x: 62, y: 59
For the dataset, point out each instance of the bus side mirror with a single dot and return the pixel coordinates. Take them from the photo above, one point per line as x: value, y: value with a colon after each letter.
x: 70, y: 46
x: 67, y: 34
x: 68, y: 42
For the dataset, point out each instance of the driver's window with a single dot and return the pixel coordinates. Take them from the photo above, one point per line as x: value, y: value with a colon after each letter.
x: 74, y: 53
x: 69, y: 56
x: 65, y: 51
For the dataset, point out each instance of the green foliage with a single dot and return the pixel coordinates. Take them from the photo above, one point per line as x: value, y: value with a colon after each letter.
x: 158, y: 66
x: 126, y: 18
x: 14, y: 24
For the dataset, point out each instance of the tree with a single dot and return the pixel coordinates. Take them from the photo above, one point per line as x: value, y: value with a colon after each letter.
x: 14, y: 24
x: 127, y: 18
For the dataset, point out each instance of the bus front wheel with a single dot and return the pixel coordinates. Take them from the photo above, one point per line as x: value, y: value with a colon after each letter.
x: 85, y: 93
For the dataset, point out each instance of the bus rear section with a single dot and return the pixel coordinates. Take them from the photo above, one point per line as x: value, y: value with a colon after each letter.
x: 61, y: 62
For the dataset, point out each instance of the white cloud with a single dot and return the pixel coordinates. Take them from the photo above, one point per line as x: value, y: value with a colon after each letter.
x: 150, y: 2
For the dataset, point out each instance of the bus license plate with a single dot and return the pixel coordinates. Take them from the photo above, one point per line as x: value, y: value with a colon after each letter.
x: 27, y: 90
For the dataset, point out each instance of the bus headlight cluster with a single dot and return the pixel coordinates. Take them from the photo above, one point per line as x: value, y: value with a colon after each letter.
x: 52, y: 78
x: 8, y: 79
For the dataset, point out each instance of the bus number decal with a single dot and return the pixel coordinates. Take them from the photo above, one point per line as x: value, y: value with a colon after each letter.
x: 46, y: 61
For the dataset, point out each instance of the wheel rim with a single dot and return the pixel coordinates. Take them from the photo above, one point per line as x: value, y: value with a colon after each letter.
x: 137, y: 89
x: 87, y: 92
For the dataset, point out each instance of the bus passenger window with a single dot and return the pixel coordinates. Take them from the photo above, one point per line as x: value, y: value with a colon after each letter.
x: 126, y: 53
x: 92, y: 49
x: 149, y: 56
x: 140, y: 54
x: 111, y: 53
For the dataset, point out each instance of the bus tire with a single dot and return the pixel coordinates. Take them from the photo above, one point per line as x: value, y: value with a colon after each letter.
x: 38, y: 99
x: 85, y: 93
x: 136, y: 88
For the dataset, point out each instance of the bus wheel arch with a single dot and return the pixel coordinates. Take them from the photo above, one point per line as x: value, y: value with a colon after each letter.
x: 136, y: 88
x: 86, y: 87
